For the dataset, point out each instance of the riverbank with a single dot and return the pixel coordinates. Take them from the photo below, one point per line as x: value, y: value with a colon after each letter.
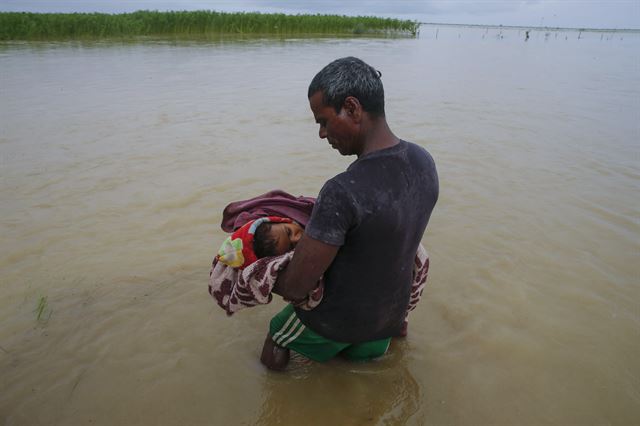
x: 72, y: 26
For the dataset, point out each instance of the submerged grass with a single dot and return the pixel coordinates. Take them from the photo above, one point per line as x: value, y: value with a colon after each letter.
x: 46, y: 26
x: 41, y: 309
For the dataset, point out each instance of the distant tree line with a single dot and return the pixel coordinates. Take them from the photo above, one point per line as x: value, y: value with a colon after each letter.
x: 46, y: 26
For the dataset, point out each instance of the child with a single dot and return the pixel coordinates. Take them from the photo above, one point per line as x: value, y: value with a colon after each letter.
x: 263, y: 237
x: 247, y: 265
x: 274, y: 239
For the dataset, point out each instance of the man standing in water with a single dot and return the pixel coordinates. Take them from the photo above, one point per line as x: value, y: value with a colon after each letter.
x: 364, y: 231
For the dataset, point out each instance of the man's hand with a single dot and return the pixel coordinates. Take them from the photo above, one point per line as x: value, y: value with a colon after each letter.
x: 310, y: 259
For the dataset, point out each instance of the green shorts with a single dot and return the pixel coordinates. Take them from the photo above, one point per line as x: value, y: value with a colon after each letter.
x: 287, y: 331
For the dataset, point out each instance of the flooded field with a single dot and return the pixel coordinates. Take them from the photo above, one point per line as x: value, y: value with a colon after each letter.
x: 117, y: 160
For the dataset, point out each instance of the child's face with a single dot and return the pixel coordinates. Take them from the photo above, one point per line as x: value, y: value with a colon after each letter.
x: 286, y: 236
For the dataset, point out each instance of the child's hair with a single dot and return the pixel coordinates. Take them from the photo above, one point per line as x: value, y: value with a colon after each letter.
x: 264, y: 245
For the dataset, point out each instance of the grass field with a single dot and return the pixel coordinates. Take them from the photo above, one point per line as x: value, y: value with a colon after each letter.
x: 66, y: 26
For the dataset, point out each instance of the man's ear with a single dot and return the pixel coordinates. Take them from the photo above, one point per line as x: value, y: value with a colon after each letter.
x: 353, y: 108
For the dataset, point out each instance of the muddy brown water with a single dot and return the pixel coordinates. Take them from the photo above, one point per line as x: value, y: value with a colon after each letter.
x: 117, y: 159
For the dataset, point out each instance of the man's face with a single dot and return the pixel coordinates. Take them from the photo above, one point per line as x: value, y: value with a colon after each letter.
x: 338, y: 128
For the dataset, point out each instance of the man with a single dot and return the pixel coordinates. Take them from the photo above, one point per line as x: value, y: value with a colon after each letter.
x: 364, y: 230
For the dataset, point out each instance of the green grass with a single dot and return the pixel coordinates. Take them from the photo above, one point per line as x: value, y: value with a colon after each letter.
x: 69, y: 26
x: 42, y: 308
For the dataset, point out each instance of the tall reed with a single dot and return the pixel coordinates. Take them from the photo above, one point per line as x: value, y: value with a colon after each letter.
x: 45, y: 26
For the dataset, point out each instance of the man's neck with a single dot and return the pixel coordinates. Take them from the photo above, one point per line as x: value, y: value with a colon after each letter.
x: 377, y: 136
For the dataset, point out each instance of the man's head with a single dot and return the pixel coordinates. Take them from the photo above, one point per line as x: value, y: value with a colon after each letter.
x: 274, y: 239
x: 350, y: 77
x: 345, y: 96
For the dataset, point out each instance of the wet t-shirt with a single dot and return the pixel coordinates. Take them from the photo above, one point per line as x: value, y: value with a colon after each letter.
x: 376, y: 211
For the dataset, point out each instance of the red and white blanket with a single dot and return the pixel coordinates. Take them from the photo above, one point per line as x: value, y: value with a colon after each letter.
x: 234, y: 289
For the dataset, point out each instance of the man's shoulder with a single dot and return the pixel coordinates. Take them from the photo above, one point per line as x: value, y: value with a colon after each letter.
x: 418, y: 149
x: 339, y: 182
x: 408, y: 153
x: 419, y: 158
x: 354, y: 177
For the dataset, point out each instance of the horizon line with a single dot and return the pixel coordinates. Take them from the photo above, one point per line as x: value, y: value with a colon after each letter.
x: 532, y: 27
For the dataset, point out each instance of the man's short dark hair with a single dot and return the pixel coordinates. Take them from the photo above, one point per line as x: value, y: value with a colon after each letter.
x: 264, y: 245
x: 350, y: 77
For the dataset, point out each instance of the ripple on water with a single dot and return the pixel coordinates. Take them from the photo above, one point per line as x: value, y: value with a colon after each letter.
x: 111, y: 209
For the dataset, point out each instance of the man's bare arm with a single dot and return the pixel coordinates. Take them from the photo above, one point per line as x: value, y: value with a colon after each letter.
x: 310, y: 259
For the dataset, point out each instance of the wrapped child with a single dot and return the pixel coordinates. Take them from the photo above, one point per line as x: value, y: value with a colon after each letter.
x: 266, y: 231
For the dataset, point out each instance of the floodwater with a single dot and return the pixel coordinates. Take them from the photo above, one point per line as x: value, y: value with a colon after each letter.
x: 118, y: 158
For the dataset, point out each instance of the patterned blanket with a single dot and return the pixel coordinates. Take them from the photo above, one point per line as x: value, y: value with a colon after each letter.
x: 234, y: 289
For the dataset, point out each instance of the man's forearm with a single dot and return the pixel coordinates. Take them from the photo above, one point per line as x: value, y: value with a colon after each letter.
x: 288, y: 290
x: 310, y: 260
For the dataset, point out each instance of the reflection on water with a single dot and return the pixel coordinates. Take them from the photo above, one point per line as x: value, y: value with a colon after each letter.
x: 117, y: 159
x: 382, y: 392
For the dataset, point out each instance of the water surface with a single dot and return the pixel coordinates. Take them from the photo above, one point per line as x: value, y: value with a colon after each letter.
x: 117, y: 159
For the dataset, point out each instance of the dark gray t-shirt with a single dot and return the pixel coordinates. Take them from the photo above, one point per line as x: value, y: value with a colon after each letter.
x: 376, y: 211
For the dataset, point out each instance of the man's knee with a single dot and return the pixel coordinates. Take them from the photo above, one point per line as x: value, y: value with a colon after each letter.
x: 273, y: 356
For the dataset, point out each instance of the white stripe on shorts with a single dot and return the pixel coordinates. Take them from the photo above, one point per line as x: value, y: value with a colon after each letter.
x: 284, y: 327
x: 288, y: 333
x: 292, y: 338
